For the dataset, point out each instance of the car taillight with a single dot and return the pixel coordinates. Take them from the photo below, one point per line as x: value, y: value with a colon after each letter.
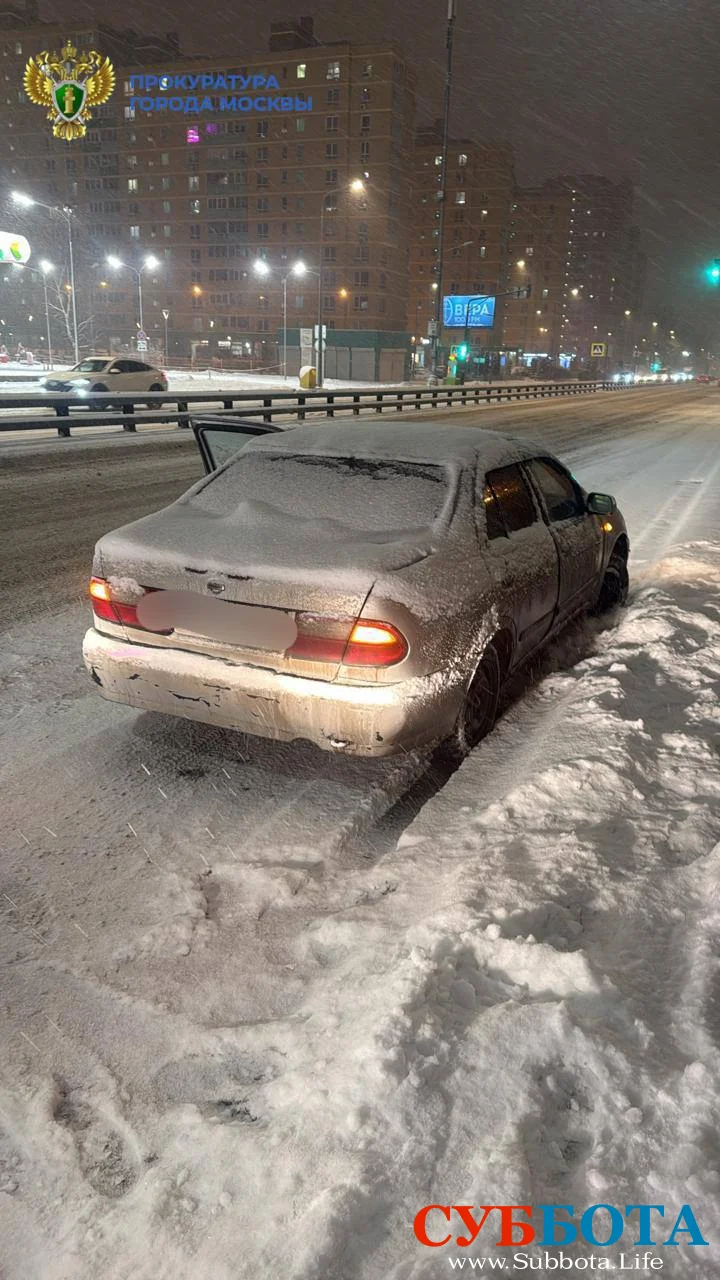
x: 353, y: 644
x: 374, y: 644
x: 120, y: 612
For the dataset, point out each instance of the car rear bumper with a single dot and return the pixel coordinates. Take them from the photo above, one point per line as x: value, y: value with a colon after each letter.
x: 364, y: 720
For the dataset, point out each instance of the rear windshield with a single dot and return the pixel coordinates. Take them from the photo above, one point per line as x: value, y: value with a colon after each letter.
x: 367, y: 495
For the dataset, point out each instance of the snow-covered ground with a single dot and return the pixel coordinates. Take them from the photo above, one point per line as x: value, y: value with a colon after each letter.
x: 248, y: 1035
x: 26, y: 379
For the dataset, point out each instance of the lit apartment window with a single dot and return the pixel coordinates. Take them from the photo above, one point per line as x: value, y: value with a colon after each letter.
x: 462, y: 159
x: 459, y: 197
x: 299, y: 125
x: 194, y: 206
x: 132, y: 162
x: 166, y: 184
x: 367, y: 70
x: 193, y: 182
x: 167, y: 230
x: 483, y: 251
x: 438, y: 160
x: 135, y: 232
x: 301, y: 70
x: 129, y: 113
x: 360, y: 302
x: 18, y: 46
x: 333, y: 71
x: 132, y: 184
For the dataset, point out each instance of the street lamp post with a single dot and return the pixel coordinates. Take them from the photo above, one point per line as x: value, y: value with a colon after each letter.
x: 46, y: 267
x: 356, y: 185
x: 261, y: 268
x: 66, y: 212
x: 151, y: 263
x: 443, y: 184
x: 166, y: 317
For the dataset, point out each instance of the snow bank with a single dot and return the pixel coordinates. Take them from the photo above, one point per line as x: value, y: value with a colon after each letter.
x: 517, y: 1004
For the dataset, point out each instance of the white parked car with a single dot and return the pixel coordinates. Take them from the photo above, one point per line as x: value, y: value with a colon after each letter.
x: 96, y: 374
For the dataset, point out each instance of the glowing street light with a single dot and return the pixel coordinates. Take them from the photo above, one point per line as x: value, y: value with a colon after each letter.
x: 151, y: 263
x: 27, y: 202
x: 298, y: 269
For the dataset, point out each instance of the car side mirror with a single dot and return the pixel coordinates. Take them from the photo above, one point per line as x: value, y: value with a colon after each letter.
x: 113, y: 370
x: 600, y: 504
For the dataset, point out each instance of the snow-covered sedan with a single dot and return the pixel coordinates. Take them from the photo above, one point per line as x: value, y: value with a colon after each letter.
x: 367, y: 587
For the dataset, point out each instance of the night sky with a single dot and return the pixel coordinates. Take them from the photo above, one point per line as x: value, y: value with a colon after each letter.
x: 627, y: 88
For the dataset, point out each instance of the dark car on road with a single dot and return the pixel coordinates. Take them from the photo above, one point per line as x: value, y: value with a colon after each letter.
x: 367, y: 587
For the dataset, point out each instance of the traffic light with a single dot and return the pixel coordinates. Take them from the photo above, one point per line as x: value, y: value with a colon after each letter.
x: 462, y: 351
x: 713, y: 272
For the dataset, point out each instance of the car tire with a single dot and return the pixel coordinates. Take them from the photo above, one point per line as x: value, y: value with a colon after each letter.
x: 103, y: 403
x: 155, y: 404
x: 479, y: 709
x: 615, y: 585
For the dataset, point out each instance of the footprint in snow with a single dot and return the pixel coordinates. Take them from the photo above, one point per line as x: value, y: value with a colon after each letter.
x: 103, y: 1154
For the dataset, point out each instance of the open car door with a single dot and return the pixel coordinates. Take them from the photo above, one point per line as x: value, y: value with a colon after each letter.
x: 219, y: 438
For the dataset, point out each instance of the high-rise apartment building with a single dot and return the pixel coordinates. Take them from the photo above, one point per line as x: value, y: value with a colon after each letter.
x: 572, y: 240
x: 209, y: 193
x: 480, y: 184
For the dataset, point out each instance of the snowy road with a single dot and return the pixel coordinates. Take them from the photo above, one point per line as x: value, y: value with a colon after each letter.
x: 246, y: 1036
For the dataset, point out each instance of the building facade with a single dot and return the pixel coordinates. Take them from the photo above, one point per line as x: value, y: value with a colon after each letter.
x: 210, y: 193
x: 573, y: 242
x: 480, y: 184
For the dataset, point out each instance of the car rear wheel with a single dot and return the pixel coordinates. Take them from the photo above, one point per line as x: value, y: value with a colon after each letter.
x: 615, y: 584
x: 479, y: 709
x: 155, y: 404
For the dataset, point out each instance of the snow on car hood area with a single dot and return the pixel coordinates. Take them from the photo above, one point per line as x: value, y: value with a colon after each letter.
x: 516, y: 1003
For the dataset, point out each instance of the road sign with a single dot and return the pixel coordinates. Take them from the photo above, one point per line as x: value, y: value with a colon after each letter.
x: 598, y: 350
x: 141, y: 345
x: 142, y: 336
x: 432, y: 329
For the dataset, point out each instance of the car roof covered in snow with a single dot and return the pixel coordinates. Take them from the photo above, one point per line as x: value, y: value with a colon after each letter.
x: 431, y: 442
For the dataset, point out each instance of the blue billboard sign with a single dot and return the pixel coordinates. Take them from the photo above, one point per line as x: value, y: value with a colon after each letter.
x: 461, y: 309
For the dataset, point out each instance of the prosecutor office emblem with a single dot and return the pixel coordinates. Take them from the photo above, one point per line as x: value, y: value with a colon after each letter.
x: 69, y: 84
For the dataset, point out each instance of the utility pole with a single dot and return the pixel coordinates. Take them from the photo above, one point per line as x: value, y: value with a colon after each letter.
x: 441, y: 195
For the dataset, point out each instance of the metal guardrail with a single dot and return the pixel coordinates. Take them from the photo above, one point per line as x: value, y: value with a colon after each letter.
x: 125, y: 411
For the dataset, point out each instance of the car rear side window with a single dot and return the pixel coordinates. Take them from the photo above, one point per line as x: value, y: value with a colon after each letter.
x: 560, y: 495
x: 513, y: 497
x: 494, y: 523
